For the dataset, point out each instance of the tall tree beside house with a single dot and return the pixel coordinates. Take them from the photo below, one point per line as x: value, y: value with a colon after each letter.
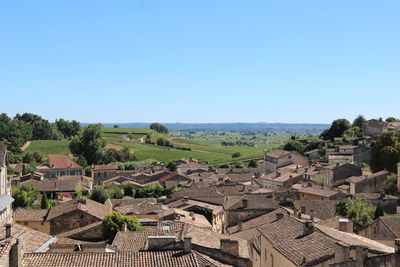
x: 68, y: 128
x: 45, y: 202
x: 391, y: 119
x: 359, y: 121
x: 115, y: 222
x: 99, y: 194
x: 159, y: 128
x: 360, y: 211
x: 337, y: 129
x: 386, y: 152
x: 90, y: 144
x: 390, y: 184
x: 379, y: 211
x: 24, y: 195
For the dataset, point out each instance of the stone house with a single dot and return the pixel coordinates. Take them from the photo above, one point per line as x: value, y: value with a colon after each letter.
x: 60, y: 165
x: 75, y: 214
x: 374, y: 127
x: 368, y: 183
x: 33, y: 218
x: 281, y: 158
x: 103, y: 172
x: 385, y: 229
x: 5, y: 189
x: 248, y: 207
x: 293, y: 242
x: 310, y: 192
x: 337, y: 173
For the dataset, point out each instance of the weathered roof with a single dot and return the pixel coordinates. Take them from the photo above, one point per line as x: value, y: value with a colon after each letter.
x: 357, y: 179
x: 173, y: 258
x: 258, y: 221
x: 392, y: 223
x: 324, y: 192
x: 30, y: 215
x: 287, y: 236
x: 62, y: 162
x: 86, y: 205
x: 254, y: 201
x: 323, y: 209
x: 108, y: 167
x: 58, y: 185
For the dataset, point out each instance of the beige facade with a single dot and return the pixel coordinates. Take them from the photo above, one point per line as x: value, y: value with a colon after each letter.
x: 5, y: 190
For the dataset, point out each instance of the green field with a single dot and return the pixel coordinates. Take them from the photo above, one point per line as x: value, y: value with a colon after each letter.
x: 49, y: 147
x: 205, y: 147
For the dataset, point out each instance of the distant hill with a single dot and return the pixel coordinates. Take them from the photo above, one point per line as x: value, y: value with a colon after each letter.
x: 234, y: 127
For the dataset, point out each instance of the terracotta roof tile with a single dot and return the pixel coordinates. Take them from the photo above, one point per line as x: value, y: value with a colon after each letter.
x: 62, y: 162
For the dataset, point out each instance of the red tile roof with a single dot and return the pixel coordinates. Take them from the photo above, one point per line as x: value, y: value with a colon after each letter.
x: 104, y: 168
x: 62, y: 162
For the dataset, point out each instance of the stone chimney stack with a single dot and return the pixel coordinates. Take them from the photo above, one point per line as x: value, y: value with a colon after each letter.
x: 187, y: 244
x: 17, y: 252
x: 240, y: 226
x: 8, y: 230
x: 312, y: 215
x: 309, y: 228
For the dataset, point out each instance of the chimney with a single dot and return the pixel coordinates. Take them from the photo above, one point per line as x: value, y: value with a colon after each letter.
x: 308, y: 228
x: 345, y: 225
x: 279, y: 216
x: 17, y: 252
x: 312, y: 215
x: 361, y: 255
x: 382, y: 194
x: 303, y: 209
x: 187, y: 244
x: 8, y: 230
x: 342, y: 253
x: 191, y: 215
x: 244, y: 203
x: 397, y: 244
x: 124, y: 227
x: 337, y: 164
x: 240, y: 226
x: 230, y: 247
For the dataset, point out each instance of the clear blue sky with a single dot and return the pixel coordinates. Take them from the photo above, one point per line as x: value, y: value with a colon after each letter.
x: 200, y: 61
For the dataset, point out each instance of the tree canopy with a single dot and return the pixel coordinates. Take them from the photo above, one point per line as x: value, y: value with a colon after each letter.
x: 115, y: 222
x: 360, y: 211
x: 89, y: 144
x: 359, y: 121
x: 24, y: 195
x: 337, y: 129
x: 386, y: 152
x: 159, y: 128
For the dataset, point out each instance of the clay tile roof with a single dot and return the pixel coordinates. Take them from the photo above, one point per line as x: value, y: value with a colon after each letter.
x: 62, y: 162
x: 173, y: 258
x: 254, y: 201
x: 30, y: 215
x: 323, y: 209
x: 318, y: 191
x: 104, y: 168
x: 89, y: 206
x: 393, y: 223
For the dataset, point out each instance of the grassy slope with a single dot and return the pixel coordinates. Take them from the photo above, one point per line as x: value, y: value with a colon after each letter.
x: 47, y: 147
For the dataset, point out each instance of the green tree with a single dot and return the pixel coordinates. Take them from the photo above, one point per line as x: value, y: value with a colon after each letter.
x: 386, y: 152
x: 99, y: 194
x: 68, y: 128
x: 359, y: 121
x: 360, y: 211
x: 159, y: 128
x: 171, y: 166
x: 391, y: 119
x: 153, y: 190
x: 129, y: 190
x: 294, y: 145
x: 337, y: 129
x: 252, y: 164
x: 114, y: 191
x: 236, y: 155
x: 24, y: 195
x: 89, y: 144
x: 390, y: 184
x: 45, y: 202
x: 115, y: 222
x: 78, y: 192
